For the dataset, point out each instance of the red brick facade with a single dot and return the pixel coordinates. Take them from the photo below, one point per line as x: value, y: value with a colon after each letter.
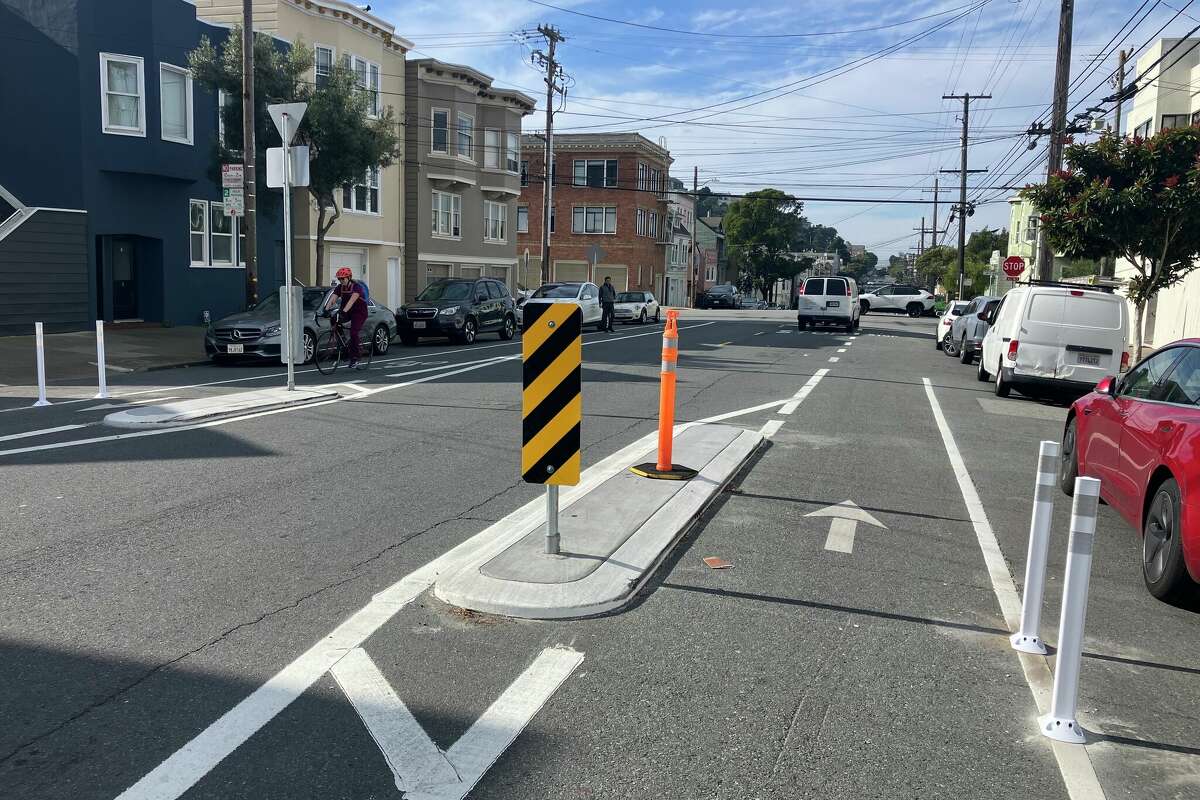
x: 635, y: 261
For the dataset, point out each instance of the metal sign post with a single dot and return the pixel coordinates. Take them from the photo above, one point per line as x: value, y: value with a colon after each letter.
x: 287, y: 118
x: 552, y: 402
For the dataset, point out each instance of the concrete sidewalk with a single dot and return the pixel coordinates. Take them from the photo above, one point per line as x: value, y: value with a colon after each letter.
x: 206, y: 409
x: 71, y: 357
x: 616, y: 528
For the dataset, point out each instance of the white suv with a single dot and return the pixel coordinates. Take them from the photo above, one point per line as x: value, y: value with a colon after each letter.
x: 898, y: 297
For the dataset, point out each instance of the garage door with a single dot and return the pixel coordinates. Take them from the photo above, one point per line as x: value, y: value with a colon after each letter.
x: 356, y: 260
x: 570, y: 271
x: 619, y: 275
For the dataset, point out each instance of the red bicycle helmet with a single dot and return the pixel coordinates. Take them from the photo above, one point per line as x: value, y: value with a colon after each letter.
x: 344, y: 272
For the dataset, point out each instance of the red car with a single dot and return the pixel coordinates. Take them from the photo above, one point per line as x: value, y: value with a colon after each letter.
x: 1140, y: 435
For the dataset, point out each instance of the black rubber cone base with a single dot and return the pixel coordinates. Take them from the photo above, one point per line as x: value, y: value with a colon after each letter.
x: 675, y: 473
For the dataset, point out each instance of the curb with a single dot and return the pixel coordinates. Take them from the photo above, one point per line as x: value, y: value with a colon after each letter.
x: 137, y: 418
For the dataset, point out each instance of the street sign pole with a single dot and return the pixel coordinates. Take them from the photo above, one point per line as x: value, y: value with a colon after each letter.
x: 287, y: 254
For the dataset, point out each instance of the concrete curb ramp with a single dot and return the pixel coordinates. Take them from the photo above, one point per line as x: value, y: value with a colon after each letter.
x: 613, y: 536
x: 206, y: 409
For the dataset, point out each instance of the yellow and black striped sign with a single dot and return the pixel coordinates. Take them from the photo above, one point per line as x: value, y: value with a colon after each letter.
x: 552, y: 402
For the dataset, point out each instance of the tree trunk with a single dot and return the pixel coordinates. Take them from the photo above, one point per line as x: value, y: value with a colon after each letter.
x: 322, y: 229
x: 1139, y: 313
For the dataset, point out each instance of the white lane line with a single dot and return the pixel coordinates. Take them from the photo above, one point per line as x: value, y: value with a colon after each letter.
x: 110, y: 367
x: 841, y: 349
x: 770, y: 428
x: 493, y: 359
x: 804, y: 391
x: 760, y: 333
x: 42, y: 432
x: 834, y: 359
x: 1074, y: 763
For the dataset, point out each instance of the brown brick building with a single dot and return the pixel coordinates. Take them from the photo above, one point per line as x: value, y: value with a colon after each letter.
x: 610, y: 190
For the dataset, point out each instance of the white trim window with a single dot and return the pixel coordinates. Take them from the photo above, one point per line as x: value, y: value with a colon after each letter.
x: 522, y: 219
x: 362, y: 198
x: 491, y: 148
x: 652, y: 224
x: 466, y: 137
x: 600, y: 173
x: 495, y: 221
x: 366, y: 73
x: 198, y: 232
x: 439, y: 131
x: 512, y: 152
x: 641, y: 218
x: 594, y: 219
x: 323, y: 59
x: 222, y: 236
x: 123, y: 94
x: 447, y: 215
x: 224, y: 100
x: 175, y: 103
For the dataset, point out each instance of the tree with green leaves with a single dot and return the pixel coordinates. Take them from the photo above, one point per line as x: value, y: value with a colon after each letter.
x: 1132, y: 198
x: 709, y: 204
x: 982, y: 243
x: 344, y: 137
x: 760, y: 230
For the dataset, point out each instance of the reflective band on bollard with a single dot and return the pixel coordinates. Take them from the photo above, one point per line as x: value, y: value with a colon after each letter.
x: 1060, y: 723
x: 41, y: 365
x: 100, y: 369
x: 1027, y: 639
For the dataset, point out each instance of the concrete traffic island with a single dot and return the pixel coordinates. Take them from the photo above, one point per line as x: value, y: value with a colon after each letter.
x: 613, y: 536
x: 207, y: 409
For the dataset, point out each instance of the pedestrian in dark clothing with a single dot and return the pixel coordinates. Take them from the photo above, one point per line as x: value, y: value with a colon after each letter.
x: 608, y: 299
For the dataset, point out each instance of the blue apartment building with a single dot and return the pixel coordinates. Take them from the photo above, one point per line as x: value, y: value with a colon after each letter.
x: 107, y: 207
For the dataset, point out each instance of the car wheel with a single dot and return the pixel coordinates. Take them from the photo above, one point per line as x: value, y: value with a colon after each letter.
x: 1002, y: 386
x: 864, y: 306
x: 915, y: 309
x: 642, y: 318
x: 509, y: 330
x: 470, y: 330
x: 1069, y: 455
x: 848, y: 327
x: 949, y: 347
x: 657, y: 315
x: 857, y: 324
x: 381, y: 339
x: 981, y: 373
x: 1162, y: 549
x: 309, y: 342
x: 965, y: 356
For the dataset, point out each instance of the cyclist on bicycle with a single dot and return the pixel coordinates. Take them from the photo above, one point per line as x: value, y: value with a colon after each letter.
x: 350, y: 306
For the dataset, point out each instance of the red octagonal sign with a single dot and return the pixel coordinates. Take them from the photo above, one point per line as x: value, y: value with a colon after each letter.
x: 1014, y: 266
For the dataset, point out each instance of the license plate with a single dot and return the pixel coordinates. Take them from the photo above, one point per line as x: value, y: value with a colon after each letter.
x: 418, y: 324
x: 235, y: 348
x: 1090, y: 359
x: 832, y: 303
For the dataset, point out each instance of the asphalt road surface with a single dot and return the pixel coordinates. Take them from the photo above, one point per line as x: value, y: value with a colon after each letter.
x: 151, y: 584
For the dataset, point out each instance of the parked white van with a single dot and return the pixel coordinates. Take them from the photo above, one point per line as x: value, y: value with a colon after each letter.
x: 829, y: 301
x: 1055, y: 336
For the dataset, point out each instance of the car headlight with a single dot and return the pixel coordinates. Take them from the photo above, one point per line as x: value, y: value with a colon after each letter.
x: 272, y: 331
x: 449, y: 312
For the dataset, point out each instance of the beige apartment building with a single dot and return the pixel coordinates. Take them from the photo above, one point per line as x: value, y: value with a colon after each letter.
x: 368, y: 237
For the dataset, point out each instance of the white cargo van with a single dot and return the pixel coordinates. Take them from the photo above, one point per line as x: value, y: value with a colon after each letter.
x: 833, y: 301
x: 1055, y: 336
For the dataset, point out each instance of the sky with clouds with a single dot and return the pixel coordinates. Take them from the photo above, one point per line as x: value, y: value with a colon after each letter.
x: 820, y: 99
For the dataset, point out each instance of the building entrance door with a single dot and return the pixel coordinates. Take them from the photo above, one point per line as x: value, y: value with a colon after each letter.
x: 124, y: 279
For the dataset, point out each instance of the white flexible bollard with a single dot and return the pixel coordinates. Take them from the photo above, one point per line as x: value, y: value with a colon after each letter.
x: 1027, y: 638
x: 1060, y: 723
x: 41, y: 365
x: 100, y: 368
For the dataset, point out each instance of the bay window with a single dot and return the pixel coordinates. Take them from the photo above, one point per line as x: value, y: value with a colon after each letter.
x: 447, y: 215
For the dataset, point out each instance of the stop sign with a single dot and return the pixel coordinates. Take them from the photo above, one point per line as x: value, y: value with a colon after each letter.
x: 1013, y: 267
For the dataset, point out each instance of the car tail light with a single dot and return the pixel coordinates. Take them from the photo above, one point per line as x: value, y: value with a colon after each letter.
x: 1124, y: 361
x: 1076, y: 293
x: 1012, y: 350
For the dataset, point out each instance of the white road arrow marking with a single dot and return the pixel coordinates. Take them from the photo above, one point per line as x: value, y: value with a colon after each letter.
x: 846, y: 516
x: 422, y: 770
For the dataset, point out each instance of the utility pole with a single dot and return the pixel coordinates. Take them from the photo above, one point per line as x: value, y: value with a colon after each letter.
x: 1058, y: 122
x: 1121, y: 58
x: 962, y: 210
x: 553, y: 73
x: 249, y: 219
x: 692, y: 257
x: 921, y: 246
x: 935, y: 205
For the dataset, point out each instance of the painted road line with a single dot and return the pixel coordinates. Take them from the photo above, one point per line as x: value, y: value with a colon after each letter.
x: 42, y: 432
x: 804, y: 392
x: 760, y: 333
x: 834, y: 359
x: 841, y: 536
x: 187, y: 765
x: 844, y: 519
x: 841, y: 349
x: 111, y: 367
x: 770, y: 428
x: 1074, y: 763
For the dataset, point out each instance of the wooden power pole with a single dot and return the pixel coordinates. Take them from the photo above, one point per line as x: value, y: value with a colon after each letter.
x: 962, y: 185
x: 1058, y: 123
x: 553, y: 37
x: 249, y: 218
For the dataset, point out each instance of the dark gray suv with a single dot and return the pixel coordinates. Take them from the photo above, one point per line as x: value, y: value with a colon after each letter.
x: 460, y: 308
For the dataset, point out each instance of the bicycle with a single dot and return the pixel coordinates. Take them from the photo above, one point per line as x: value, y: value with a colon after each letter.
x: 333, y: 346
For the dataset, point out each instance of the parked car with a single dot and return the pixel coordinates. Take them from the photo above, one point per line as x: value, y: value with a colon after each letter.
x: 968, y: 329
x: 1062, y: 337
x: 256, y: 333
x: 898, y: 297
x: 460, y: 308
x: 828, y: 301
x: 636, y: 307
x: 725, y: 295
x: 1140, y: 436
x: 585, y: 295
x: 942, y: 330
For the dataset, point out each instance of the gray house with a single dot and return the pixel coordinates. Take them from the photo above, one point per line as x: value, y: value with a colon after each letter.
x: 462, y: 148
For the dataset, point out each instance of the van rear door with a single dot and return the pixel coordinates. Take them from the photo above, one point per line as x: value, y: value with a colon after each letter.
x: 1092, y: 336
x: 1038, y: 337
